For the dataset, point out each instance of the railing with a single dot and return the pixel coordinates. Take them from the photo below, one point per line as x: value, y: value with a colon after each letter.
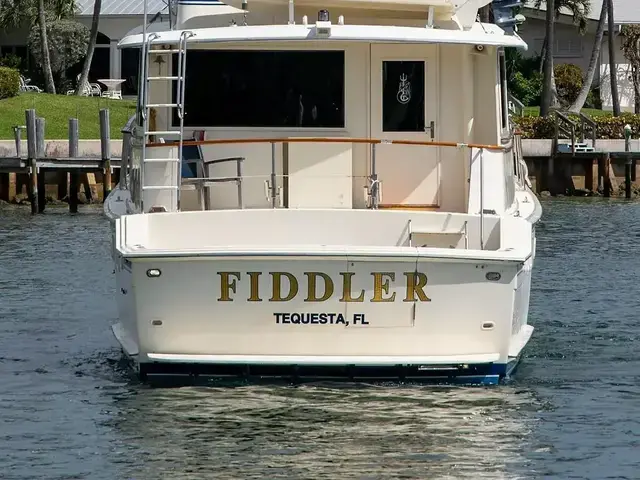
x: 574, y: 129
x: 372, y: 189
x: 515, y: 106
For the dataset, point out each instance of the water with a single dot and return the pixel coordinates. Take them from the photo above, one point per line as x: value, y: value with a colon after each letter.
x: 68, y: 409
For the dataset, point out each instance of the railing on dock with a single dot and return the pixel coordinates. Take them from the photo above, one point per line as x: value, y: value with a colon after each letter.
x: 582, y: 129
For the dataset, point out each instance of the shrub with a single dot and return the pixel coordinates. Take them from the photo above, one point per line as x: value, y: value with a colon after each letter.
x: 10, y: 60
x: 609, y: 127
x: 568, y: 82
x: 527, y: 90
x: 9, y: 82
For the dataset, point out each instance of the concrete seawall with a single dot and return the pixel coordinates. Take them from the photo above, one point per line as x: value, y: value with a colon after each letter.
x: 60, y: 148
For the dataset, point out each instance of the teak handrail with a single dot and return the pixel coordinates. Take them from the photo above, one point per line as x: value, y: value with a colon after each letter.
x: 371, y: 141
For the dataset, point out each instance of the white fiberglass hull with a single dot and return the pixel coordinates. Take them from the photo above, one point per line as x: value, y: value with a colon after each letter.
x: 463, y: 320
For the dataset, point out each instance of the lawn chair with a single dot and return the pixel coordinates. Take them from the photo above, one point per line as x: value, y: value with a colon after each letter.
x: 88, y: 89
x: 25, y: 87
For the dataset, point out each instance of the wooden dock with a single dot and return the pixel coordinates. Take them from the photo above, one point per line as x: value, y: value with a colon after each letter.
x: 584, y: 173
x: 30, y: 170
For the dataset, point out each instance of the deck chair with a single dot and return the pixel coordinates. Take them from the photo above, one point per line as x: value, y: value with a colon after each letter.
x: 25, y: 87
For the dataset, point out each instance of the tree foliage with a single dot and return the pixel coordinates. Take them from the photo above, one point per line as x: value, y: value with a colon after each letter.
x: 569, y: 82
x: 578, y: 9
x: 631, y: 49
x: 67, y: 43
x: 16, y: 13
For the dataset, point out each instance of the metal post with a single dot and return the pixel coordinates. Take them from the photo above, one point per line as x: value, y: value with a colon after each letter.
x: 239, y: 173
x: 126, y: 157
x: 481, y: 200
x: 273, y: 175
x: 374, y: 178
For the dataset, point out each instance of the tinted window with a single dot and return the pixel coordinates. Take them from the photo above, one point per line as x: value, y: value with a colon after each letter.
x: 264, y: 88
x: 129, y: 70
x: 403, y: 96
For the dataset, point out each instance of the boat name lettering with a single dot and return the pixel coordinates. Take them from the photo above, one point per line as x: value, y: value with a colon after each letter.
x: 323, y: 318
x: 320, y: 287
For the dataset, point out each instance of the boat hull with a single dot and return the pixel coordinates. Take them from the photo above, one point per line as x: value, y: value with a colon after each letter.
x: 297, y: 317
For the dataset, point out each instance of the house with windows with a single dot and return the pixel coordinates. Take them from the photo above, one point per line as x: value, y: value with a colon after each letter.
x: 120, y: 17
x: 572, y: 47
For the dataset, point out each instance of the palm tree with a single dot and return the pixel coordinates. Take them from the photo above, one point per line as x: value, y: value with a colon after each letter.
x: 93, y: 36
x: 49, y: 86
x: 547, y: 96
x: 593, y: 62
x: 579, y: 9
x: 631, y: 49
x: 17, y: 13
x: 613, y: 68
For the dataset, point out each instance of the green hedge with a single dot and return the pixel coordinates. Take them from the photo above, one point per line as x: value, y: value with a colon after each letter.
x: 609, y: 127
x: 9, y: 82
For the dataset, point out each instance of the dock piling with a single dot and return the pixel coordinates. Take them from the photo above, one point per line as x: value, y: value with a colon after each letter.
x: 17, y: 135
x: 105, y: 147
x: 606, y: 175
x: 40, y: 153
x: 628, y: 163
x: 30, y: 116
x: 73, y: 176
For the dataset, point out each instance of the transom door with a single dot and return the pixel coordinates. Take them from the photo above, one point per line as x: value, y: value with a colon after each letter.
x: 404, y: 107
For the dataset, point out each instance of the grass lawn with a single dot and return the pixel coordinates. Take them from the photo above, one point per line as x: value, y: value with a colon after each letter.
x: 592, y: 112
x: 56, y: 111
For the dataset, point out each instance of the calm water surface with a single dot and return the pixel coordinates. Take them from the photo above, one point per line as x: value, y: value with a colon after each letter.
x: 69, y: 410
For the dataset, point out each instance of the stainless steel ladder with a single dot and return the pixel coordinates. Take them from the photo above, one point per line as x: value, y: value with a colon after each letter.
x: 145, y: 109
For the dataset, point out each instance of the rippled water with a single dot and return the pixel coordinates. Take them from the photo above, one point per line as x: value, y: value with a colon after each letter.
x: 68, y: 409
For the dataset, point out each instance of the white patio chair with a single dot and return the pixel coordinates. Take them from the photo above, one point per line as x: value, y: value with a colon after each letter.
x: 88, y: 89
x: 25, y: 87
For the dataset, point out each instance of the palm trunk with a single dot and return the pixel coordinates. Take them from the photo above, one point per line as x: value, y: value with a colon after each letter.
x: 613, y: 69
x: 547, y: 84
x: 49, y: 86
x: 93, y: 36
x: 593, y: 63
x: 636, y: 89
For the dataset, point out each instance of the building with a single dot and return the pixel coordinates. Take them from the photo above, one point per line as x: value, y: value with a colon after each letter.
x: 118, y: 17
x: 572, y: 47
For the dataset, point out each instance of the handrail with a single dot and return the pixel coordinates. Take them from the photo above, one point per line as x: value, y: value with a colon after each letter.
x: 564, y: 124
x: 371, y: 141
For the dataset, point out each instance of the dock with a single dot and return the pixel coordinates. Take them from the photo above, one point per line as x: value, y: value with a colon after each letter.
x: 576, y: 162
x: 606, y: 170
x: 34, y: 171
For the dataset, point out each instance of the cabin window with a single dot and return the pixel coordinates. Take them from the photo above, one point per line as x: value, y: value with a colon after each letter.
x: 403, y: 96
x: 268, y: 89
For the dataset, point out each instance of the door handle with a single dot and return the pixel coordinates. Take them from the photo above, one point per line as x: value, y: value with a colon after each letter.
x: 432, y: 129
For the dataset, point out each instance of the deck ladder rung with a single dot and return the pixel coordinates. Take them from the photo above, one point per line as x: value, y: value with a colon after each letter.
x: 160, y: 187
x: 163, y: 78
x: 161, y: 160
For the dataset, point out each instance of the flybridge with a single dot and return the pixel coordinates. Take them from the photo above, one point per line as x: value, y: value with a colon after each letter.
x: 449, y: 14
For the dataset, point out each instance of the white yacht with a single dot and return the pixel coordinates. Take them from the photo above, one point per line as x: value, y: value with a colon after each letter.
x: 324, y: 189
